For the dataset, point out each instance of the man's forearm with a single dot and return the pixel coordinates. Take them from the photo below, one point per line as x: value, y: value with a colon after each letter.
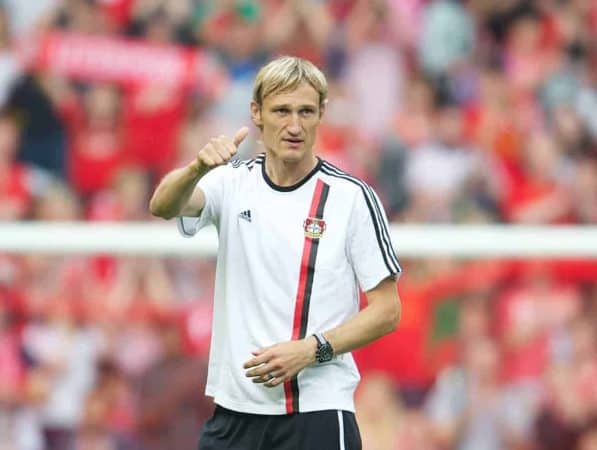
x: 285, y: 359
x: 174, y: 192
x: 379, y: 318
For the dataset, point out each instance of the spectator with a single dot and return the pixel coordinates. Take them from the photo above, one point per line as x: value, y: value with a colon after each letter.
x: 297, y: 27
x: 95, y: 135
x: 370, y: 44
x: 438, y: 170
x: 540, y: 195
x: 171, y: 403
x: 26, y: 17
x: 43, y: 140
x: 560, y: 420
x: 237, y: 34
x: 124, y: 198
x: 467, y: 407
x: 82, y: 16
x: 529, y: 315
x: 447, y: 37
x: 584, y: 191
x: 10, y: 68
x: 108, y: 420
x: 386, y: 423
x: 65, y: 352
x: 15, y: 178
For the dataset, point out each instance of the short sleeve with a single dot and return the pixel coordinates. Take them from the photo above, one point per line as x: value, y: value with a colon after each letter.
x: 370, y: 249
x: 212, y: 184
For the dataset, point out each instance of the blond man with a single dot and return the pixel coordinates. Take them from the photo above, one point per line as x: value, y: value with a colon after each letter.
x: 298, y: 238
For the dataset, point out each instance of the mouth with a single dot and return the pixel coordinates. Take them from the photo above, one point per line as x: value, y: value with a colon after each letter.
x: 293, y: 142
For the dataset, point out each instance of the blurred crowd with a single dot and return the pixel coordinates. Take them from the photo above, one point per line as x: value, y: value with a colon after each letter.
x: 471, y: 111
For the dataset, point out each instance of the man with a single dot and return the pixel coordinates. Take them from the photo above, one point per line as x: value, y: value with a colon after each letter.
x: 297, y: 238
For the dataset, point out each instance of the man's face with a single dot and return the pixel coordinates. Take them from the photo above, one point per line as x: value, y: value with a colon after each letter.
x: 289, y: 122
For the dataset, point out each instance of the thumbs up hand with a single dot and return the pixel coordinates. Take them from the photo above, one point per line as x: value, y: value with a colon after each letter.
x: 219, y: 151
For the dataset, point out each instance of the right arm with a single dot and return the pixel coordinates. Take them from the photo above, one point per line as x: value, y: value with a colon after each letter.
x: 176, y: 194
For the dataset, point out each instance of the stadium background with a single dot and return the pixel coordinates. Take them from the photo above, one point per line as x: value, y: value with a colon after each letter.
x: 464, y: 112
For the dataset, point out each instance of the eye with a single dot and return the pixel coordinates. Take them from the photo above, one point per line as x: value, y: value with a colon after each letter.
x: 307, y: 112
x: 281, y: 111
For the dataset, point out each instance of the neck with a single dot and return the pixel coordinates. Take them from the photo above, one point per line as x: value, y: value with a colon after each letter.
x: 287, y: 173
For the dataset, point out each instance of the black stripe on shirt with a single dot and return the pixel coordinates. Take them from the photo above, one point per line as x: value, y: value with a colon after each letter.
x: 236, y: 163
x: 375, y: 202
x: 182, y: 228
x: 311, y: 267
x: 381, y: 232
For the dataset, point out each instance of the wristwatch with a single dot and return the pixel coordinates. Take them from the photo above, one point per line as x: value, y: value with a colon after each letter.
x: 324, y: 352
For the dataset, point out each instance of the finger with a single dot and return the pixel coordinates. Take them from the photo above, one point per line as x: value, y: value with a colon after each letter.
x: 214, y: 155
x: 256, y: 361
x: 274, y: 382
x: 240, y: 136
x: 210, y: 155
x: 262, y: 380
x: 278, y: 378
x: 226, y: 148
x: 206, y: 156
x: 258, y: 352
x: 218, y: 152
x: 269, y: 377
x: 221, y: 148
x: 264, y: 369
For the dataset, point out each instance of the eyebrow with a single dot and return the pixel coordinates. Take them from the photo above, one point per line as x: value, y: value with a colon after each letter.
x: 286, y: 105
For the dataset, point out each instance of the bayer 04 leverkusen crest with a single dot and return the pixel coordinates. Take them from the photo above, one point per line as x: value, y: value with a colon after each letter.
x: 314, y: 227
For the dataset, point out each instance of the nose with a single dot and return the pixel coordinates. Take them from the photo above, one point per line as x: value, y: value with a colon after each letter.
x: 294, y: 126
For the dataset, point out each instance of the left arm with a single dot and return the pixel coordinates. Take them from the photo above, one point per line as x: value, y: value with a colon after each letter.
x: 284, y: 360
x: 380, y: 317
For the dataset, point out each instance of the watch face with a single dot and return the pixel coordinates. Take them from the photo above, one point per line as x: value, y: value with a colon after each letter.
x: 325, y: 353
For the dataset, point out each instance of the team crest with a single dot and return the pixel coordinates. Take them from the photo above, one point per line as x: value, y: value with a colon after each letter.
x: 314, y: 227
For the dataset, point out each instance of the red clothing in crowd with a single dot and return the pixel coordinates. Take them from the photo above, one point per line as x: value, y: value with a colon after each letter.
x: 529, y: 191
x: 408, y: 355
x: 402, y: 354
x: 118, y: 12
x: 525, y: 314
x: 152, y: 118
x: 15, y: 194
x: 95, y: 150
x: 12, y: 371
x: 95, y: 157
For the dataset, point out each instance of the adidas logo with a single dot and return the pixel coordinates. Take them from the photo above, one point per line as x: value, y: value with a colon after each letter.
x: 245, y: 215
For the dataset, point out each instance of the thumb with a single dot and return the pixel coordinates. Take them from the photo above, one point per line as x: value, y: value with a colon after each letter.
x: 240, y: 136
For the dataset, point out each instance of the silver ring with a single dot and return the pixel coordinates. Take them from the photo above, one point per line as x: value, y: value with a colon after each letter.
x: 269, y: 376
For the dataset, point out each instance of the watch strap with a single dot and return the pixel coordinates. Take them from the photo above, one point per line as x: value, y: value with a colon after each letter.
x: 321, y: 340
x: 325, y: 351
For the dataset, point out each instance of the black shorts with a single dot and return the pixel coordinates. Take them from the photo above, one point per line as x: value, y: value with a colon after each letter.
x: 318, y: 430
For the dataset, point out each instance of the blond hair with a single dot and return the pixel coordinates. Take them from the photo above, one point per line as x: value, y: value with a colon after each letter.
x: 286, y: 74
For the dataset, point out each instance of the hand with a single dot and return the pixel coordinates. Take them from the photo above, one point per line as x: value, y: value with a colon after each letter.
x: 282, y: 361
x: 219, y: 151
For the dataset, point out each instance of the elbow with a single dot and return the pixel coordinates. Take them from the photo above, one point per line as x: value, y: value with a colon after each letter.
x: 158, y: 210
x: 391, y: 319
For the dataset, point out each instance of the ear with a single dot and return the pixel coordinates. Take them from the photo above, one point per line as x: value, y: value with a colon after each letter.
x: 256, y: 115
x: 322, y: 108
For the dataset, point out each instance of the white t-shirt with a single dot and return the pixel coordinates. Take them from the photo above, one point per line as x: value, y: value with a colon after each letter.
x: 290, y: 263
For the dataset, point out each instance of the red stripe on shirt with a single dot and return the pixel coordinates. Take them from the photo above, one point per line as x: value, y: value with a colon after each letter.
x: 300, y: 294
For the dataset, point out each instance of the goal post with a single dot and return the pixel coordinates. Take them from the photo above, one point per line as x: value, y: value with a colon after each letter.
x: 411, y: 241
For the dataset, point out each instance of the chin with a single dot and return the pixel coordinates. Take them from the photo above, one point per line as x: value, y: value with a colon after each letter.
x: 291, y: 155
x: 296, y: 155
